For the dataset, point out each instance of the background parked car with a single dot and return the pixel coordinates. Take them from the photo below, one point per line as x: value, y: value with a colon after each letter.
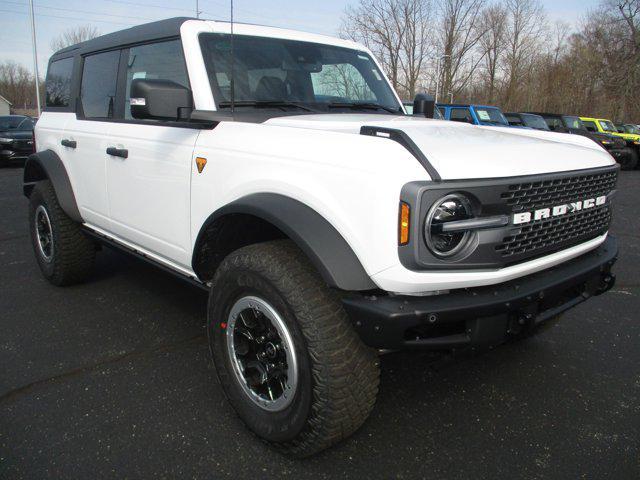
x: 616, y: 146
x: 474, y: 114
x: 529, y: 120
x: 603, y: 125
x: 628, y: 128
x: 16, y: 138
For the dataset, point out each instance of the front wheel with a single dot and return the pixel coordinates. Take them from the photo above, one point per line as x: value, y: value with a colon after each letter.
x: 285, y: 352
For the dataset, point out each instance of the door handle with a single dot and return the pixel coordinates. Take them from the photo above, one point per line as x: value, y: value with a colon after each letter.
x: 118, y: 152
x: 69, y: 143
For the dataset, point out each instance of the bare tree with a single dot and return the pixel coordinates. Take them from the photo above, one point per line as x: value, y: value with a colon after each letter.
x: 376, y: 24
x: 493, y: 44
x: 526, y: 25
x: 416, y: 43
x: 397, y: 32
x: 508, y: 53
x: 74, y: 35
x: 16, y: 84
x: 459, y: 33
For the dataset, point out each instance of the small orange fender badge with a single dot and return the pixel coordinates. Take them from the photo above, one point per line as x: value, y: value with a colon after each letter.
x: 201, y: 162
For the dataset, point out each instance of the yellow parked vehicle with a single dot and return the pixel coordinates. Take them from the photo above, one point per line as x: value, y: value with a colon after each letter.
x: 602, y: 125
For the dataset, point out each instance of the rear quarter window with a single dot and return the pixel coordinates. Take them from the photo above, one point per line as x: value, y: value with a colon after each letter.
x: 58, y: 83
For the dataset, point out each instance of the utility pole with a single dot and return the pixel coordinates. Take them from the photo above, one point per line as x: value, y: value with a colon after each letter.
x: 198, y: 12
x: 35, y: 55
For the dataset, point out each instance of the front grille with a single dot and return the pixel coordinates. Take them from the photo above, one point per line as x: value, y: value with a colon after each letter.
x: 550, y: 234
x: 547, y: 193
x: 557, y: 232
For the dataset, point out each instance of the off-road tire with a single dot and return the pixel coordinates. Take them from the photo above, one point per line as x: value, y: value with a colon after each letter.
x: 338, y: 375
x: 630, y: 161
x: 73, y: 252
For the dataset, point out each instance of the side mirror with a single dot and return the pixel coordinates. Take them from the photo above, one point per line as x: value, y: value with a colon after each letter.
x: 157, y: 99
x: 424, y: 105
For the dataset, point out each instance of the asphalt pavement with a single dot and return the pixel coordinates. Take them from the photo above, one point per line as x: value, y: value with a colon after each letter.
x: 112, y: 379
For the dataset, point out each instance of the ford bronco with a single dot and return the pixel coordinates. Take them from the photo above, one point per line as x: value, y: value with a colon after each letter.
x: 278, y: 171
x: 474, y: 114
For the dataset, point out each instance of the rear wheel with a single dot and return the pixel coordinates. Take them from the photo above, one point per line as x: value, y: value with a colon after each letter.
x: 285, y: 352
x: 64, y: 253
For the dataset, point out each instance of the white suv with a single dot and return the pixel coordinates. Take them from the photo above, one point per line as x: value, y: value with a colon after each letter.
x: 279, y: 171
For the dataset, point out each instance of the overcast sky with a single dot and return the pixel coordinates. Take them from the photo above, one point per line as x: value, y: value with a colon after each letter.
x: 53, y: 17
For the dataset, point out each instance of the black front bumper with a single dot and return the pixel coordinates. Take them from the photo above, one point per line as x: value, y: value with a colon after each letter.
x: 483, y: 316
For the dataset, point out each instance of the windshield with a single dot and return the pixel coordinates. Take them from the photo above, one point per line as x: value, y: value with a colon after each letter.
x: 573, y: 122
x: 16, y: 123
x: 534, y: 121
x: 491, y: 115
x: 607, y: 126
x: 279, y: 73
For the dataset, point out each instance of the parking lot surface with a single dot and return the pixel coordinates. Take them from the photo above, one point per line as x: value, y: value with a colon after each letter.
x: 112, y: 379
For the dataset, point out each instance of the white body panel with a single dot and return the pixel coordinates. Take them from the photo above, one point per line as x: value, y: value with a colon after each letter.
x: 148, y: 192
x: 156, y: 201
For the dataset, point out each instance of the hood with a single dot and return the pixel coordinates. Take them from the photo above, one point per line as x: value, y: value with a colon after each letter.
x: 459, y: 150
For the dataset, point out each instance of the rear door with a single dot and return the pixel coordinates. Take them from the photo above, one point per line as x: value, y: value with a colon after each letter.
x: 149, y: 190
x: 86, y: 136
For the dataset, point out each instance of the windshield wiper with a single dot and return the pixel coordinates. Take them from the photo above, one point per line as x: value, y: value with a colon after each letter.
x: 364, y: 106
x: 267, y: 104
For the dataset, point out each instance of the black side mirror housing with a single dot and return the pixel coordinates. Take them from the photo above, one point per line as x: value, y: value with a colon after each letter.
x: 156, y: 99
x: 424, y: 105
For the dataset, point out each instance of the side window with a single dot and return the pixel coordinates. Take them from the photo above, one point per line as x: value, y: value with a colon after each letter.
x: 164, y: 61
x: 58, y: 83
x: 554, y: 123
x: 591, y: 126
x: 514, y: 120
x: 461, y: 115
x: 98, y: 90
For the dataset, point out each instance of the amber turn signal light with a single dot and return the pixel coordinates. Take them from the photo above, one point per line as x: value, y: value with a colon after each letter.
x: 403, y: 237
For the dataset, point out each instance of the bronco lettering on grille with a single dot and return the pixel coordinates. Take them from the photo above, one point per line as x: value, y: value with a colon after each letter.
x: 558, y: 210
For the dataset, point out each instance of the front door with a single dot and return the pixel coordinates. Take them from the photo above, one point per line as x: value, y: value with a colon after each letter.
x: 149, y: 168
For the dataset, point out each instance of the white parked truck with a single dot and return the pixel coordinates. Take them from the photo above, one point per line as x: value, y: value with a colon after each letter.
x: 279, y: 171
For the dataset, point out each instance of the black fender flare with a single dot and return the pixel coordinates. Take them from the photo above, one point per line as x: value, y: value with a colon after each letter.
x: 47, y: 165
x: 325, y: 247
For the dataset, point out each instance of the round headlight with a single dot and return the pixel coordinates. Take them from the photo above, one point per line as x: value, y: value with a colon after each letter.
x: 450, y: 208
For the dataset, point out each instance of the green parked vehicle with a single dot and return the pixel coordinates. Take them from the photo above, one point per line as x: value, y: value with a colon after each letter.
x: 603, y: 125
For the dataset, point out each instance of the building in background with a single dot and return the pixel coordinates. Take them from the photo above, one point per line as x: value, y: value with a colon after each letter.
x: 5, y: 106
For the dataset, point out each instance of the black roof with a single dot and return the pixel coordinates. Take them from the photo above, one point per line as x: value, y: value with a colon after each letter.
x: 140, y: 33
x: 525, y: 113
x: 552, y: 115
